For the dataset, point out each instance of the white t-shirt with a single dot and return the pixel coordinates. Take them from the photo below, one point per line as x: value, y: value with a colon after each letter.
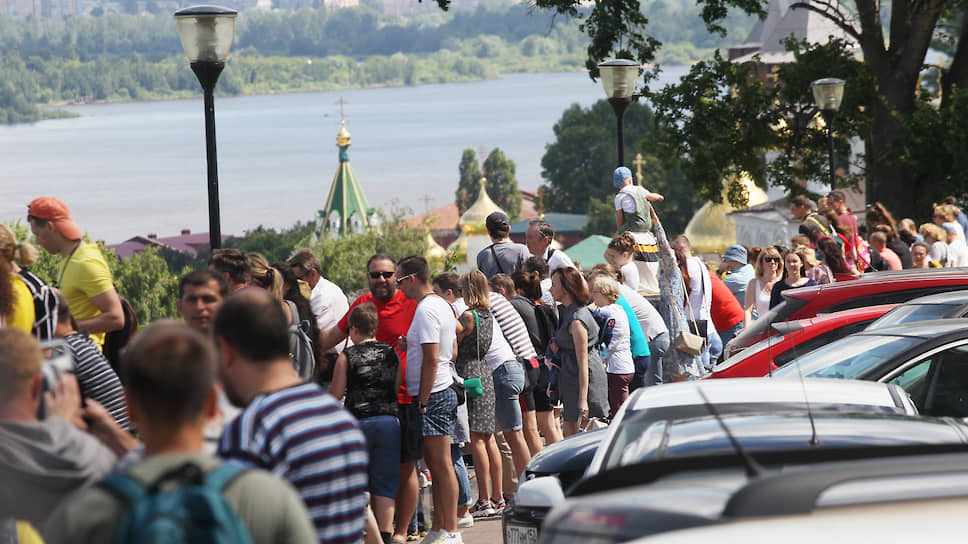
x: 624, y: 200
x: 329, y: 304
x: 500, y: 350
x: 649, y: 318
x: 631, y: 274
x: 618, y: 354
x: 433, y: 323
x: 557, y: 260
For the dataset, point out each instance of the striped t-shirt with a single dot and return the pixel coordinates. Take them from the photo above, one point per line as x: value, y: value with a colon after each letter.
x: 512, y: 326
x: 302, y: 434
x: 96, y: 378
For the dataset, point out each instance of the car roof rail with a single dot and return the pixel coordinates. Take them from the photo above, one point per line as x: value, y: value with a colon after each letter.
x: 797, y: 491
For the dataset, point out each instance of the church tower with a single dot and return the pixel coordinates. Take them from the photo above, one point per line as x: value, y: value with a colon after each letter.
x: 347, y: 210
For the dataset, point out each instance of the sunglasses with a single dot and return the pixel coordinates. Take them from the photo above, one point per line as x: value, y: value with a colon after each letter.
x: 771, y: 259
x: 384, y: 275
x: 400, y: 280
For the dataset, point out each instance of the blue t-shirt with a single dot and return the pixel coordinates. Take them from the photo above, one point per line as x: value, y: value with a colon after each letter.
x: 640, y: 344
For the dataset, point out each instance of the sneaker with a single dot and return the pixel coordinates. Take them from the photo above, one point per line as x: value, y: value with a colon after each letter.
x: 498, y: 506
x: 482, y: 509
x: 432, y: 537
x: 451, y: 538
x: 423, y: 477
x: 466, y: 521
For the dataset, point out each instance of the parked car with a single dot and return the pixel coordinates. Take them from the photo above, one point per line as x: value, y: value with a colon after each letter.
x: 673, y: 475
x: 942, y: 306
x: 797, y: 338
x: 870, y: 290
x: 929, y: 359
x: 890, y: 500
x: 549, y: 476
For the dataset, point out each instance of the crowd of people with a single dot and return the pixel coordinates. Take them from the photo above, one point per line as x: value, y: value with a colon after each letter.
x: 302, y: 415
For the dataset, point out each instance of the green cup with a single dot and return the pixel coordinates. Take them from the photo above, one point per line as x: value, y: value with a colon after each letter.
x: 473, y: 387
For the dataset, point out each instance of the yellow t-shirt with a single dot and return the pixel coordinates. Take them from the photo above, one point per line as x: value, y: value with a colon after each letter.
x: 85, y: 275
x: 22, y: 316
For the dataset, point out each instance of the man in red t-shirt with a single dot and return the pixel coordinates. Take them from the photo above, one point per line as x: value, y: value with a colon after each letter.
x: 395, y: 312
x: 725, y: 310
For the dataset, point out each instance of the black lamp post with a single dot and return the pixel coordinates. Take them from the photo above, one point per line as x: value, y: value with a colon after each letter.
x: 827, y: 94
x: 618, y: 79
x: 206, y: 34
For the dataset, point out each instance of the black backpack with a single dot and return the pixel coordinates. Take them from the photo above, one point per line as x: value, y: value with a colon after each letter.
x: 45, y: 305
x: 115, y: 341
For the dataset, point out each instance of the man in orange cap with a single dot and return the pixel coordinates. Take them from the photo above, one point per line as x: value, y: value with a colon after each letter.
x: 84, y: 277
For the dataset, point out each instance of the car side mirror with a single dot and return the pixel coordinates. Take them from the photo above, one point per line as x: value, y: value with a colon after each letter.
x: 540, y: 492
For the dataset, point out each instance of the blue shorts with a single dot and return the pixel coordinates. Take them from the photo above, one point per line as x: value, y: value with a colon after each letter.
x: 383, y: 444
x: 441, y: 414
x: 508, y: 384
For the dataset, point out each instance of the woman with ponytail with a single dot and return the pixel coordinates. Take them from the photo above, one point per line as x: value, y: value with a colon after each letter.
x: 16, y: 300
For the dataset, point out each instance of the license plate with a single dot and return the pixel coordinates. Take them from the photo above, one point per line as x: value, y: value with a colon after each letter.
x: 520, y: 535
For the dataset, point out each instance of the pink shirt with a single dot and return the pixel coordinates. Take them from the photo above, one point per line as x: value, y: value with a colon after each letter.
x: 891, y: 258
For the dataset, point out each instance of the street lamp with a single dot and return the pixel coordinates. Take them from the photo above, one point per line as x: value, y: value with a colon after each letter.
x: 206, y: 34
x: 618, y: 79
x: 827, y: 94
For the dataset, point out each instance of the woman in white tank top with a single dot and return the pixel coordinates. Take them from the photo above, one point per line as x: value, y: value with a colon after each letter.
x: 769, y: 269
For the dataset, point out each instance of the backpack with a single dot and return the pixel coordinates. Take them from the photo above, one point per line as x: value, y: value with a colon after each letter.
x: 45, y: 305
x: 606, y: 325
x: 547, y: 326
x: 194, y: 512
x: 300, y: 345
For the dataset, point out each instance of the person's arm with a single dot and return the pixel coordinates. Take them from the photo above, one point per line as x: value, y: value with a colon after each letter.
x: 396, y: 359
x: 619, y: 218
x: 465, y: 325
x: 111, y: 317
x: 654, y: 197
x: 579, y: 335
x: 330, y: 338
x: 337, y: 387
x: 749, y: 303
x: 102, y: 425
x: 428, y: 373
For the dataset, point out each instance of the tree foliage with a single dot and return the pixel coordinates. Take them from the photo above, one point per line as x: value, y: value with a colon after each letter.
x: 469, y: 184
x: 579, y: 164
x: 721, y: 120
x: 502, y: 184
x: 344, y: 258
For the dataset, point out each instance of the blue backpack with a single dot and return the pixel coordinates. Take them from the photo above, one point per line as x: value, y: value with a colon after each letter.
x: 194, y: 512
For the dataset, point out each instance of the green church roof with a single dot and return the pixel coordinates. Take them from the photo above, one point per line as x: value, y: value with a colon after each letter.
x: 346, y: 210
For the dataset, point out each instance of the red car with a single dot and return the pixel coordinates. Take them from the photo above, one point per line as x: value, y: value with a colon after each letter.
x: 871, y: 289
x: 797, y: 337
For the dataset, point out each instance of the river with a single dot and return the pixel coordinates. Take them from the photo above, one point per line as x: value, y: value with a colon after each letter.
x: 136, y: 168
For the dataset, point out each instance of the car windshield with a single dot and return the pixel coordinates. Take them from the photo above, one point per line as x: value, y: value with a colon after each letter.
x: 848, y: 358
x: 909, y: 313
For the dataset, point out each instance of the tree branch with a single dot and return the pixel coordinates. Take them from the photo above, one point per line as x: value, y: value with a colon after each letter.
x: 956, y: 75
x: 832, y: 13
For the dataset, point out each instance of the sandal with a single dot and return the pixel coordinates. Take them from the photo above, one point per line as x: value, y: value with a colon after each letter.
x: 482, y: 509
x: 498, y: 506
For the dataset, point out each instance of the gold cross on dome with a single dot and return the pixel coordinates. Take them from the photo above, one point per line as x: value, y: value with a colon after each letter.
x: 639, y: 162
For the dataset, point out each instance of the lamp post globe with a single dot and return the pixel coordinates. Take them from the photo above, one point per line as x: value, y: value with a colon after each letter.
x: 827, y: 95
x: 618, y: 79
x: 206, y: 34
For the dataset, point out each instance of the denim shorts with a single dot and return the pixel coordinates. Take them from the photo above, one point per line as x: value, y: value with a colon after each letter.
x: 383, y: 444
x: 508, y: 384
x: 441, y: 414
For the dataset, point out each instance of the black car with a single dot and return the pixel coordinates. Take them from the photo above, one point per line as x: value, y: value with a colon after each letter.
x: 675, y: 475
x: 929, y: 359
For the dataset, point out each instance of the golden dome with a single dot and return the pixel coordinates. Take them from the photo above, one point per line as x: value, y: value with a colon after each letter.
x: 473, y: 220
x: 458, y: 249
x: 343, y: 136
x: 709, y: 231
x: 434, y: 250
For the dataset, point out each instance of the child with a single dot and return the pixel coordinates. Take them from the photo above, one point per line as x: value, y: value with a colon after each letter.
x: 619, y: 366
x: 632, y: 214
x: 369, y: 374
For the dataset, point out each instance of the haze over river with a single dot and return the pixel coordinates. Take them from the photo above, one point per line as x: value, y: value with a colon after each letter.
x: 138, y: 168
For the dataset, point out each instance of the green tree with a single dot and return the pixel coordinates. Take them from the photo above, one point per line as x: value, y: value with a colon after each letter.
x: 578, y: 166
x: 502, y: 185
x: 144, y: 279
x: 470, y: 181
x: 274, y: 245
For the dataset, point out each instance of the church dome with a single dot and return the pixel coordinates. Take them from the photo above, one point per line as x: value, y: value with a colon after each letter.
x: 472, y: 222
x: 434, y: 250
x: 709, y: 230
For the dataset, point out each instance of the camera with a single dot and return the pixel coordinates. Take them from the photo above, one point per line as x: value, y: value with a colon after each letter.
x: 58, y: 360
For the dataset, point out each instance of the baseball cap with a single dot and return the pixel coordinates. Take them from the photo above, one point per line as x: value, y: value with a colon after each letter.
x: 950, y: 227
x: 621, y: 174
x: 735, y: 253
x: 54, y: 210
x: 496, y: 220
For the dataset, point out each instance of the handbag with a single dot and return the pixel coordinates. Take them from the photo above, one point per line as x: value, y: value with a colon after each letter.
x: 687, y: 341
x: 459, y: 388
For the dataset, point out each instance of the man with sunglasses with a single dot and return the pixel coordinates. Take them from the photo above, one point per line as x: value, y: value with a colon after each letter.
x: 395, y: 314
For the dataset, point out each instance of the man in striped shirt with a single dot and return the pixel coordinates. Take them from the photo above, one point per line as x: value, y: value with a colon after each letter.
x: 288, y: 427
